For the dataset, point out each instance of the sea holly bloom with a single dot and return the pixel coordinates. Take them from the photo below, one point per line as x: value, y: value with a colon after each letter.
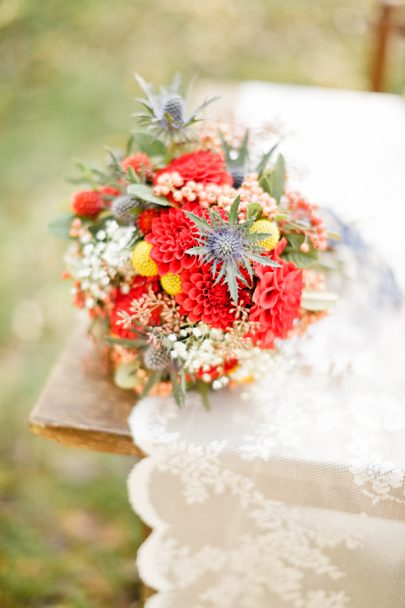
x: 165, y: 113
x: 228, y: 247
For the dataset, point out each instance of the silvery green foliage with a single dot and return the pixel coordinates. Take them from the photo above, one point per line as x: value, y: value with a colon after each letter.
x: 229, y: 248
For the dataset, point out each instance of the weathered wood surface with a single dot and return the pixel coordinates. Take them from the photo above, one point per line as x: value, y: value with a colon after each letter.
x: 80, y: 406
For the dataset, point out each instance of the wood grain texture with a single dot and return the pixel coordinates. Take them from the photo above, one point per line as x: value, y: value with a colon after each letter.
x: 80, y: 406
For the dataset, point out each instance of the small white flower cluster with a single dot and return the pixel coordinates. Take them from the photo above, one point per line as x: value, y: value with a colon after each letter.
x: 94, y: 261
x: 201, y: 349
x: 253, y: 364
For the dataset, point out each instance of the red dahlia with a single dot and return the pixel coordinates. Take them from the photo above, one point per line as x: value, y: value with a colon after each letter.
x: 202, y: 300
x: 108, y: 192
x: 140, y: 163
x: 123, y: 303
x: 87, y: 203
x: 145, y: 219
x: 277, y: 300
x: 171, y: 235
x: 202, y: 167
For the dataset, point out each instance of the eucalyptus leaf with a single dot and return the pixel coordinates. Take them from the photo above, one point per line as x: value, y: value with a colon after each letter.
x: 265, y: 183
x: 299, y: 258
x: 204, y: 389
x: 129, y: 343
x: 317, y: 301
x: 254, y: 211
x: 149, y: 144
x: 265, y: 159
x: 145, y: 193
x: 277, y: 178
x: 179, y: 386
x: 132, y: 176
x: 233, y: 212
x: 243, y: 152
x: 153, y: 379
x: 60, y: 226
x: 125, y: 375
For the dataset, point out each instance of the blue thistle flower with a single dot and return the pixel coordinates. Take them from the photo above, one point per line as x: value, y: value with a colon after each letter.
x: 228, y: 247
x: 166, y: 110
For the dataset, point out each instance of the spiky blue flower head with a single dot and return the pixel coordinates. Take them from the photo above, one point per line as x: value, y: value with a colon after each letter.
x: 227, y: 245
x: 166, y: 110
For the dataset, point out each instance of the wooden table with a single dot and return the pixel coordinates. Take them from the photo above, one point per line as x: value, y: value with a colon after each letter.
x: 80, y: 406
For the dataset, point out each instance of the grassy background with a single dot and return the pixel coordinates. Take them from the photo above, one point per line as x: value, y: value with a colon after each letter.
x: 67, y: 535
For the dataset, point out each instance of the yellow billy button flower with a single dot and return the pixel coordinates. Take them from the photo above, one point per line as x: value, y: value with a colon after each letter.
x: 267, y: 227
x: 171, y: 283
x: 141, y: 260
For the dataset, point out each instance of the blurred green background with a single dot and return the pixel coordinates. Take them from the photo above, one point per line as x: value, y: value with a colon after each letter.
x: 67, y: 534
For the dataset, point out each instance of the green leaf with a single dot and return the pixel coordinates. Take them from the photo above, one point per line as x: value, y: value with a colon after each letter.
x: 203, y: 388
x: 226, y: 148
x: 295, y: 240
x: 145, y: 193
x: 299, y: 258
x: 243, y: 152
x: 264, y: 160
x: 124, y: 375
x: 132, y: 176
x: 231, y: 281
x: 149, y: 144
x: 115, y: 162
x: 60, y: 226
x: 263, y: 260
x: 277, y: 178
x: 152, y: 380
x: 293, y: 253
x: 254, y: 211
x: 200, y: 222
x: 204, y: 105
x: 126, y: 342
x: 265, y: 183
x: 318, y: 300
x: 130, y: 145
x: 233, y: 212
x: 179, y: 386
x: 199, y: 250
x: 256, y: 237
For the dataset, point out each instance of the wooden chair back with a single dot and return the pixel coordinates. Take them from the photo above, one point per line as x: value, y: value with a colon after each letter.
x: 391, y: 23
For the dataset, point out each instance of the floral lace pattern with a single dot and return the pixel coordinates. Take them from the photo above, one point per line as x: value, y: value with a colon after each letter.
x: 288, y: 494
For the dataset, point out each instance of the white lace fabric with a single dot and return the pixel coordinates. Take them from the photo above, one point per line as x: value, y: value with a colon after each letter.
x: 287, y: 493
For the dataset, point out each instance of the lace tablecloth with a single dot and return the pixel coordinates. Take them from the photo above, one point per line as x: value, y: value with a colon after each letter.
x: 289, y: 492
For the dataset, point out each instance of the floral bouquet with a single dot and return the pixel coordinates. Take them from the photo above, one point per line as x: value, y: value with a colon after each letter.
x: 190, y: 254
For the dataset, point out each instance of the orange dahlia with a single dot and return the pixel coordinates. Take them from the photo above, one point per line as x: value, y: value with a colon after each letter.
x: 203, y: 166
x: 203, y: 300
x: 172, y: 234
x: 139, y: 162
x: 277, y: 300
